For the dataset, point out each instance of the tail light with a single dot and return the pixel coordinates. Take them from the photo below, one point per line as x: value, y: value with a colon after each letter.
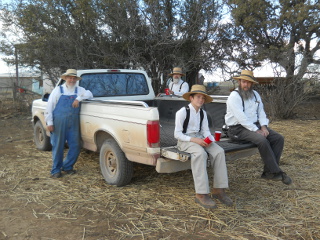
x: 153, y: 133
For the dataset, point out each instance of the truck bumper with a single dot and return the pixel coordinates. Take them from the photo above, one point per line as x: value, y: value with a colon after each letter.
x: 170, y: 166
x: 173, y: 160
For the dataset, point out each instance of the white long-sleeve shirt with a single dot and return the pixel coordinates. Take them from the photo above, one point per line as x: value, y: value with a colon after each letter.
x: 253, y: 111
x: 193, y: 126
x: 55, y: 95
x: 175, y: 87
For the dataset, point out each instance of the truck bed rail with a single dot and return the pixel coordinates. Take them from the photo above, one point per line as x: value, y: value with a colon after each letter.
x: 121, y: 102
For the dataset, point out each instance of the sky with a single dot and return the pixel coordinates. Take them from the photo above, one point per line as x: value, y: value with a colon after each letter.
x: 4, y: 68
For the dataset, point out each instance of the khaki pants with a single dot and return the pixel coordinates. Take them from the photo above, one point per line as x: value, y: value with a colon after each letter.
x: 199, y: 156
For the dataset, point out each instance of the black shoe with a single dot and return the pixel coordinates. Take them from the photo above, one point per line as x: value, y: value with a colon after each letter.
x: 286, y: 179
x: 267, y: 175
x: 70, y: 172
x: 56, y: 175
x: 280, y: 176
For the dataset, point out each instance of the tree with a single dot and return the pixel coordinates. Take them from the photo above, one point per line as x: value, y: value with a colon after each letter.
x: 286, y: 33
x: 199, y: 25
x: 158, y: 48
x: 53, y: 35
x: 155, y: 35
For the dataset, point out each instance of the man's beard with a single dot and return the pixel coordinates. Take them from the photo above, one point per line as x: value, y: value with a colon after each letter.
x: 176, y: 80
x: 248, y: 94
x: 71, y: 87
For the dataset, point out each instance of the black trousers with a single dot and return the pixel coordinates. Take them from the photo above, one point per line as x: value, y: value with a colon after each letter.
x: 270, y: 147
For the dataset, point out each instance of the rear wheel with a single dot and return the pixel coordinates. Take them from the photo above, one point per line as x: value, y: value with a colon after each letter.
x: 41, y: 139
x: 115, y: 167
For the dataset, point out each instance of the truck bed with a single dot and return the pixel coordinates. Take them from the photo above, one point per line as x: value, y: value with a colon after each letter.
x: 167, y: 108
x: 167, y: 140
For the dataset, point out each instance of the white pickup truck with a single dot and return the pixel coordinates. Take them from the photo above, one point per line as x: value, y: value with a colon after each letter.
x: 126, y: 123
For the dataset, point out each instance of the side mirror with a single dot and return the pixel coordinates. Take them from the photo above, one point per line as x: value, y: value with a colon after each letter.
x: 45, y: 97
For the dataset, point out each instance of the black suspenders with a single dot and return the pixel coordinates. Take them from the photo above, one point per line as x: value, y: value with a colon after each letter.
x: 186, y: 121
x: 243, y: 101
x: 180, y: 86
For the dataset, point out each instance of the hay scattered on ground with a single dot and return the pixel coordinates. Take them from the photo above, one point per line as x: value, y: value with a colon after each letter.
x: 157, y: 206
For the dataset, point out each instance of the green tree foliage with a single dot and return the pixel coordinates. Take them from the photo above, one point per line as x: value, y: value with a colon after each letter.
x: 199, y: 25
x: 156, y: 35
x: 54, y: 35
x: 286, y: 33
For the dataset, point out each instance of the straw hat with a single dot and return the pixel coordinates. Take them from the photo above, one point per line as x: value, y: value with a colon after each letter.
x: 177, y: 70
x: 70, y: 72
x: 198, y: 89
x: 247, y: 75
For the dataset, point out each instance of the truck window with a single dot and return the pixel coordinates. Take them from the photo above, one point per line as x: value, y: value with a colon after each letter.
x: 115, y: 84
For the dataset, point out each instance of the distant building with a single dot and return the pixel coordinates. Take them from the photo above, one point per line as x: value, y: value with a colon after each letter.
x: 26, y: 81
x: 267, y: 80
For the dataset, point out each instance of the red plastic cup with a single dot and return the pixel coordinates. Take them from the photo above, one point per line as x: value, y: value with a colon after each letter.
x: 209, y: 139
x: 166, y: 90
x: 217, y: 135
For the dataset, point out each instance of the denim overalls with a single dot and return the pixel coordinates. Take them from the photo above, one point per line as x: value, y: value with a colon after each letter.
x: 66, y: 122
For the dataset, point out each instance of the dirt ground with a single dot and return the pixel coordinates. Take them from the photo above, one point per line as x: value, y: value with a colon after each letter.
x: 156, y: 206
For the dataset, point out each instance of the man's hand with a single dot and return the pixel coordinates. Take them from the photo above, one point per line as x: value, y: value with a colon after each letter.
x: 263, y: 131
x: 199, y: 141
x: 50, y: 128
x: 75, y: 103
x: 170, y: 91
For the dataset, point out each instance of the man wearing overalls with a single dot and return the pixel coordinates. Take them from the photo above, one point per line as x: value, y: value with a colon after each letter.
x: 63, y: 122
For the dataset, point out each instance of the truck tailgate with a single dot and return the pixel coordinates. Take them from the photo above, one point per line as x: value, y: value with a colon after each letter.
x: 173, y: 160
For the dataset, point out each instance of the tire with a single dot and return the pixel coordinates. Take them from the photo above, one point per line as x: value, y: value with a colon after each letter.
x: 41, y: 139
x: 115, y: 167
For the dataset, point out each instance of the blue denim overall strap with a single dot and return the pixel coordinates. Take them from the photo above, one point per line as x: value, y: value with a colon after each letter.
x: 66, y: 123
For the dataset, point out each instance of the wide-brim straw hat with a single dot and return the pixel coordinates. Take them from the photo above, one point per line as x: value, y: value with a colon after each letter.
x: 70, y: 72
x: 247, y: 75
x: 198, y: 89
x: 177, y: 70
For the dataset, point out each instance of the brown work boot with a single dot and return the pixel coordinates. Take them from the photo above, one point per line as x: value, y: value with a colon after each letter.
x: 205, y: 201
x: 219, y: 193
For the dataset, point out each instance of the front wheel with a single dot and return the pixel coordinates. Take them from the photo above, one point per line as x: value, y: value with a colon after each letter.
x: 115, y: 167
x: 41, y: 139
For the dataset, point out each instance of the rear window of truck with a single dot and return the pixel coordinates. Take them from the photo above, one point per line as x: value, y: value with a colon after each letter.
x: 115, y: 84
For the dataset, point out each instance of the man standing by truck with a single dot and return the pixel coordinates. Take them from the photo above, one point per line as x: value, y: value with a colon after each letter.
x: 191, y: 128
x: 247, y: 121
x: 63, y: 122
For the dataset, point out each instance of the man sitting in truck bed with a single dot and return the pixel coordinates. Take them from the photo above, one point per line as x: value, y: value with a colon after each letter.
x: 247, y: 121
x: 191, y: 127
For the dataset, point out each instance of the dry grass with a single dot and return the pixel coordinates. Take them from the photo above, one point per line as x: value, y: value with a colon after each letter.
x: 156, y: 206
